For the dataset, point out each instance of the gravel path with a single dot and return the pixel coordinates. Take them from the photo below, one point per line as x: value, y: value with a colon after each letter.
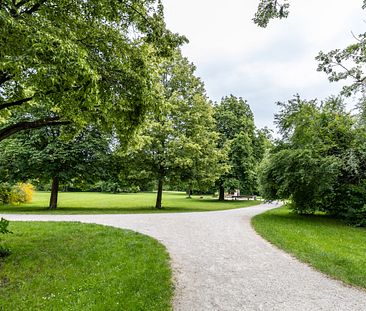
x: 220, y: 263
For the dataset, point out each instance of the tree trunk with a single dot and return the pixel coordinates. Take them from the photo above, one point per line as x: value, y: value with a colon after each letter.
x: 189, y: 193
x: 222, y: 193
x: 54, y: 193
x: 160, y: 193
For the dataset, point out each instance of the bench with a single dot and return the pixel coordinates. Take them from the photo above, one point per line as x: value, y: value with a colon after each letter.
x: 238, y: 197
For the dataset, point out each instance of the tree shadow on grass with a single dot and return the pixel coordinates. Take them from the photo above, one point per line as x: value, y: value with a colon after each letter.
x: 319, y: 218
x: 113, y: 210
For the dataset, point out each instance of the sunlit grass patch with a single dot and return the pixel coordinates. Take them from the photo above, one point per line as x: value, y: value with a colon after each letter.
x: 105, y: 203
x: 73, y: 266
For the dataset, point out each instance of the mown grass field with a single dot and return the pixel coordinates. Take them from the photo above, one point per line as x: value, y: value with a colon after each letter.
x: 101, y: 203
x: 326, y: 244
x: 73, y: 266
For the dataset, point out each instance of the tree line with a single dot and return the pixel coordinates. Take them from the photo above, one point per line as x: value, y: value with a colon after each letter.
x: 319, y: 163
x: 185, y: 143
x: 98, y: 92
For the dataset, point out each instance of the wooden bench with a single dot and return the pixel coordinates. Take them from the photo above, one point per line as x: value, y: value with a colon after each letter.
x: 238, y: 197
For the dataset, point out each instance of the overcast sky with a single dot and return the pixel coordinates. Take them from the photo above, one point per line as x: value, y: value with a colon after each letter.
x: 234, y: 56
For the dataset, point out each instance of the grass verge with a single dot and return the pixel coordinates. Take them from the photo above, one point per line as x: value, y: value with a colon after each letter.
x: 73, y: 266
x: 105, y: 203
x: 326, y: 244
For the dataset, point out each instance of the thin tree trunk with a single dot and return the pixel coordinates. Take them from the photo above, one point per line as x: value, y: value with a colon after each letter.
x: 189, y: 193
x: 54, y: 193
x: 222, y: 193
x: 159, y: 197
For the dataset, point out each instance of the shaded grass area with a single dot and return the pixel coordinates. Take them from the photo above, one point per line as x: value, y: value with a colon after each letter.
x: 101, y: 203
x: 73, y: 266
x: 325, y: 243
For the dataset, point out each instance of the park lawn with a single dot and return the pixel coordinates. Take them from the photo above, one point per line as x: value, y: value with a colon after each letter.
x: 104, y: 203
x: 325, y: 243
x: 73, y: 266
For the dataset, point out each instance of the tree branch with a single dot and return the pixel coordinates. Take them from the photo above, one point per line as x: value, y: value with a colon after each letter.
x: 348, y: 71
x: 29, y: 11
x: 15, y: 103
x: 20, y: 3
x: 27, y: 125
x: 137, y: 12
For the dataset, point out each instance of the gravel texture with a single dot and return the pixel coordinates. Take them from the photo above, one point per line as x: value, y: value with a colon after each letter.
x: 220, y: 263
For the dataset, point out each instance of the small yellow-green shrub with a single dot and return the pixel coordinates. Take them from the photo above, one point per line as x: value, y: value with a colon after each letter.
x: 18, y: 193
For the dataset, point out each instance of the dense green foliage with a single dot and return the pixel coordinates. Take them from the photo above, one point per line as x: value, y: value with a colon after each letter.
x: 327, y: 244
x: 76, y: 266
x: 177, y: 143
x: 42, y: 155
x: 112, y: 66
x: 4, y: 251
x: 245, y: 146
x: 320, y: 163
x: 4, y: 224
x: 80, y: 61
x: 107, y: 203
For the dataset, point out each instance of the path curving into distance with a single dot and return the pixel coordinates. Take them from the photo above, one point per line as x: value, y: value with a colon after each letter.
x: 221, y: 264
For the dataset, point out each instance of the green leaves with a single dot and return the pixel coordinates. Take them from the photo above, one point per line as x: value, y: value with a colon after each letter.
x: 4, y: 230
x: 42, y: 154
x: 269, y: 9
x: 235, y: 124
x: 320, y: 162
x: 83, y: 61
x: 178, y: 140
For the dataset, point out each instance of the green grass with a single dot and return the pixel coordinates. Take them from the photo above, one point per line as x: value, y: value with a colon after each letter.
x: 327, y: 244
x: 73, y: 266
x: 100, y: 203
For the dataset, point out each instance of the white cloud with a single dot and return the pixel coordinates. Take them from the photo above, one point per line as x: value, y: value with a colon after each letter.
x: 264, y: 66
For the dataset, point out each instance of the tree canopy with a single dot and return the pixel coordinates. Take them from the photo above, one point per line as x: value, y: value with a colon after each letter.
x: 178, y: 141
x: 42, y: 156
x: 80, y: 61
x: 235, y: 123
x: 320, y: 161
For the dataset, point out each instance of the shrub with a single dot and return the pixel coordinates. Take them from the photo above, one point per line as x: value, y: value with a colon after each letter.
x: 24, y: 192
x: 351, y: 204
x: 5, y: 193
x: 4, y: 251
x: 19, y: 193
x: 320, y: 163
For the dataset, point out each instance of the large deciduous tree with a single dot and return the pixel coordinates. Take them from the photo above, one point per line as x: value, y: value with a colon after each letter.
x: 320, y: 161
x: 79, y: 61
x: 235, y: 123
x: 178, y: 141
x: 42, y: 155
